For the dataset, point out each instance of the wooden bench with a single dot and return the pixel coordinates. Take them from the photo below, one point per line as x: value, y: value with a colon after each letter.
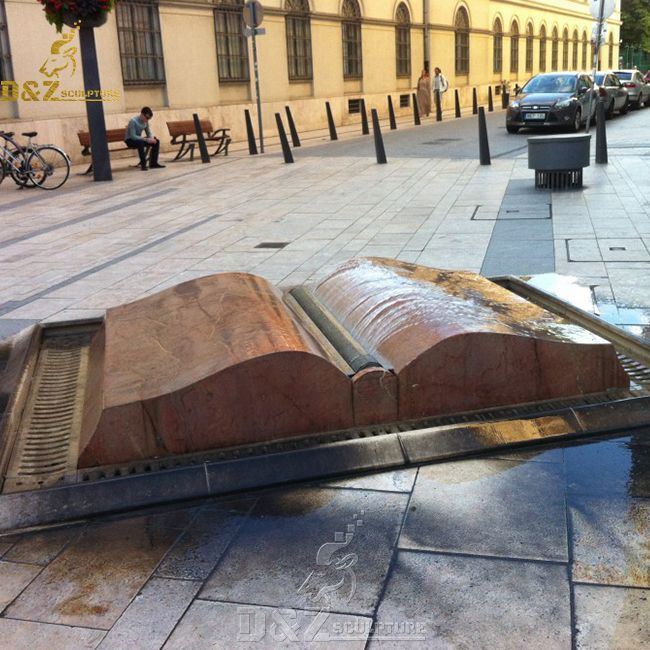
x: 112, y: 136
x: 184, y: 134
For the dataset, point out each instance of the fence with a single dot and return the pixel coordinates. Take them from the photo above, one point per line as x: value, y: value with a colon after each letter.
x: 634, y: 57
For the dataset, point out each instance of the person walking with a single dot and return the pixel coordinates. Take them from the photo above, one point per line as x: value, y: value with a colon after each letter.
x: 424, y: 93
x: 133, y: 139
x: 440, y: 86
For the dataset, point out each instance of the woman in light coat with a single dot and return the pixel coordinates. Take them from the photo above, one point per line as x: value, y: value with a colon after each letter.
x: 424, y: 93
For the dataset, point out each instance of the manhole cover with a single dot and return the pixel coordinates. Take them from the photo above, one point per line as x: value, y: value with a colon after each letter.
x: 273, y: 244
x: 442, y: 140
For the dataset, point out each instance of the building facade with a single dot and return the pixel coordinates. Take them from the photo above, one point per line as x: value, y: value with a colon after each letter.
x: 185, y: 56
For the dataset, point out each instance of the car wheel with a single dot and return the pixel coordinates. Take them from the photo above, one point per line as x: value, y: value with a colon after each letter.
x: 638, y: 103
x: 609, y: 114
x: 512, y: 129
x: 577, y: 120
x: 626, y: 107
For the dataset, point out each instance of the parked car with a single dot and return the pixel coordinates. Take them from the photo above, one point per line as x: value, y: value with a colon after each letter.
x: 612, y: 93
x: 552, y: 99
x: 647, y: 77
x: 637, y: 87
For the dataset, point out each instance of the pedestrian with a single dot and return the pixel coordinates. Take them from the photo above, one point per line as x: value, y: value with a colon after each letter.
x: 424, y: 93
x: 134, y: 140
x: 440, y: 86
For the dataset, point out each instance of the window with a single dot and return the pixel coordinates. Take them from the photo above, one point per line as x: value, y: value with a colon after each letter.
x: 542, y: 49
x: 610, y: 53
x: 565, y: 49
x: 461, y: 26
x: 352, y: 62
x: 232, y: 48
x: 298, y: 30
x: 138, y: 29
x: 497, y: 46
x: 574, y: 60
x: 554, y: 47
x: 585, y: 65
x: 529, y: 47
x: 403, y: 41
x: 514, y: 47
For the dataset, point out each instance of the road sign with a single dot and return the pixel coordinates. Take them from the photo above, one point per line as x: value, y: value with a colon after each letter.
x: 608, y: 8
x: 253, y: 13
x: 259, y: 31
x: 603, y: 33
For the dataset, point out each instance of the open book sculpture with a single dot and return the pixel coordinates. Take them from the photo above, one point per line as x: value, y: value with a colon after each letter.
x: 226, y: 360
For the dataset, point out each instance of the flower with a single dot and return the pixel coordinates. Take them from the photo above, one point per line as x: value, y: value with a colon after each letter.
x: 57, y: 10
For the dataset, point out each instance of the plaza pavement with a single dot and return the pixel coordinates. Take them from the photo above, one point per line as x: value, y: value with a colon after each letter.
x: 547, y: 549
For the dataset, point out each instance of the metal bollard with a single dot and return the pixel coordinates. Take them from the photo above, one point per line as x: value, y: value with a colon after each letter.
x: 416, y: 111
x: 330, y: 122
x: 286, y: 150
x: 490, y: 100
x: 379, y: 141
x: 601, y: 135
x: 364, y: 119
x: 436, y: 95
x: 457, y: 102
x: 292, y: 128
x: 205, y: 156
x: 483, y: 144
x: 474, y: 101
x: 252, y: 144
x: 391, y: 114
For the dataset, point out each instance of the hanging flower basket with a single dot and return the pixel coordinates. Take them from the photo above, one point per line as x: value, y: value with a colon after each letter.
x: 74, y: 13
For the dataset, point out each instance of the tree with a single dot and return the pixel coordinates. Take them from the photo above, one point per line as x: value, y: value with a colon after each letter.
x: 635, y: 30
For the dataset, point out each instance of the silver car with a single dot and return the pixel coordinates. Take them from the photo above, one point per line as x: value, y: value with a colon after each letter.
x: 637, y: 88
x: 612, y: 93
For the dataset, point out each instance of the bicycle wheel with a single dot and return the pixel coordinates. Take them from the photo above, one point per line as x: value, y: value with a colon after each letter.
x: 49, y: 167
x: 3, y: 171
x: 18, y: 169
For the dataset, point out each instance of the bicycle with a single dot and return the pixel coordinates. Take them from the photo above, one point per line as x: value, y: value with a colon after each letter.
x: 45, y: 166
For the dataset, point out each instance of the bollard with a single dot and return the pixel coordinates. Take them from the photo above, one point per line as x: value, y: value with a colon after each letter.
x: 474, y: 102
x: 364, y: 119
x: 436, y: 96
x: 601, y: 135
x: 416, y: 111
x: 490, y: 101
x: 292, y: 128
x: 457, y: 102
x: 286, y: 150
x: 330, y: 122
x: 379, y: 141
x: 205, y: 156
x: 505, y: 97
x: 391, y: 114
x: 483, y: 144
x: 252, y: 145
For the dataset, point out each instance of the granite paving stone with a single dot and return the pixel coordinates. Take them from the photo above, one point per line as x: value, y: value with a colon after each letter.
x: 223, y: 626
x: 610, y: 540
x: 95, y: 578
x: 400, y: 480
x: 443, y: 601
x: 303, y: 547
x: 41, y: 547
x: 490, y: 507
x: 152, y: 615
x: 611, y: 617
x: 13, y: 579
x: 28, y: 635
x: 198, y: 550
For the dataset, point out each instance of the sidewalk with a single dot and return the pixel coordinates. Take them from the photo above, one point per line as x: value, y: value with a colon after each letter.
x: 544, y: 549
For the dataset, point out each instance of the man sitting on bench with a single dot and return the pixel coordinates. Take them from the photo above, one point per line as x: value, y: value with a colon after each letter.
x: 134, y: 140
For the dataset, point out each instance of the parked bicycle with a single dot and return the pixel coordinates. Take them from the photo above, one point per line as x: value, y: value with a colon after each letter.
x: 45, y: 166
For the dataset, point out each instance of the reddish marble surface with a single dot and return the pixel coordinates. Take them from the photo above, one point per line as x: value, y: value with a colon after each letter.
x: 458, y: 341
x: 213, y: 362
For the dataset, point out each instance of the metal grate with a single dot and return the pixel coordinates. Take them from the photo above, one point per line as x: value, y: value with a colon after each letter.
x: 566, y: 179
x: 354, y: 106
x: 638, y: 373
x: 51, y: 423
x: 404, y: 101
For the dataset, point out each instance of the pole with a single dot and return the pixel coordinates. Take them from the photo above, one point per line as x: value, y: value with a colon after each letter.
x: 379, y: 141
x: 416, y: 111
x: 490, y: 101
x: 601, y: 135
x: 250, y: 134
x: 295, y: 139
x: 427, y: 53
x: 286, y: 150
x: 257, y: 80
x: 391, y: 114
x: 483, y: 145
x: 94, y: 110
x: 205, y: 156
x: 457, y: 102
x: 330, y: 122
x: 364, y: 119
x: 596, y: 54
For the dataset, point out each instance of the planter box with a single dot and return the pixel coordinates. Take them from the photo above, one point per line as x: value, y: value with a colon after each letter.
x: 558, y: 160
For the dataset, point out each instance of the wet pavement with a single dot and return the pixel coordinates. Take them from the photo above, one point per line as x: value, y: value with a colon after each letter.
x: 543, y: 548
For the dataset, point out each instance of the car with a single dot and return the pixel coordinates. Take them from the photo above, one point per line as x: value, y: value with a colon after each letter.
x: 647, y: 77
x: 612, y: 93
x: 637, y: 87
x: 552, y: 99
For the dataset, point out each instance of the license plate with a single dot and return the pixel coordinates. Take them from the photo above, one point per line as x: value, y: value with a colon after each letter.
x: 535, y: 116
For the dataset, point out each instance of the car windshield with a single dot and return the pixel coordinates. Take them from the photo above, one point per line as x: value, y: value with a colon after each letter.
x: 626, y: 76
x: 554, y: 84
x: 599, y: 78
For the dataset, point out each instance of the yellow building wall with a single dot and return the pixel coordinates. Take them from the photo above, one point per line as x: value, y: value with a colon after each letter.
x: 192, y: 78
